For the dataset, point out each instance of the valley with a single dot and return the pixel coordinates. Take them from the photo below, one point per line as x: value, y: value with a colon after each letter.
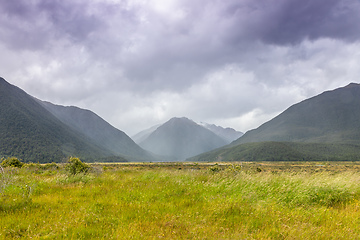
x: 325, y: 127
x: 178, y: 119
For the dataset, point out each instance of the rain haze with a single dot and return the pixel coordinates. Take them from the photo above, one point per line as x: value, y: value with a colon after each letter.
x: 139, y: 63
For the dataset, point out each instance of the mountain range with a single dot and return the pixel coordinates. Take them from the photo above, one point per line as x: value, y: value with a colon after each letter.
x: 39, y: 131
x: 228, y: 134
x: 324, y: 127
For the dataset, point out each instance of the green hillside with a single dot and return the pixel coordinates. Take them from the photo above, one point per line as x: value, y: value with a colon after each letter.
x: 283, y: 151
x: 30, y: 132
x: 331, y: 117
x: 324, y: 127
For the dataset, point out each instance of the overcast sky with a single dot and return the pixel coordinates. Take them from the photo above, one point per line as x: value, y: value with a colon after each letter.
x: 138, y: 63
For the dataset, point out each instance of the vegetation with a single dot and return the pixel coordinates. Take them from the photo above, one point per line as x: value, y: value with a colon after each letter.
x: 265, y: 200
x: 331, y: 117
x: 283, y: 151
x: 11, y: 162
x: 76, y: 166
x: 30, y: 132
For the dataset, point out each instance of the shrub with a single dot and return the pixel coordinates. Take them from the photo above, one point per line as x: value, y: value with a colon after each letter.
x: 12, y: 162
x: 215, y: 168
x: 75, y: 166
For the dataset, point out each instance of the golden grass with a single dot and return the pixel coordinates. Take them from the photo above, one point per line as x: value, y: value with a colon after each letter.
x: 184, y: 201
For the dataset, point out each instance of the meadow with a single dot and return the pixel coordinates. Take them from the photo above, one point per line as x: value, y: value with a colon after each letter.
x: 248, y: 200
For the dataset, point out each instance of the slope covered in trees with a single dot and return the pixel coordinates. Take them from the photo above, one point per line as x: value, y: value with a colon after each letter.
x: 28, y: 131
x: 331, y: 117
x: 324, y: 127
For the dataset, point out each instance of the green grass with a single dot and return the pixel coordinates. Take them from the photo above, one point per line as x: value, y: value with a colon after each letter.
x: 182, y: 201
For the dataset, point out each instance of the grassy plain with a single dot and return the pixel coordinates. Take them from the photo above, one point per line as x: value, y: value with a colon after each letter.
x: 268, y: 200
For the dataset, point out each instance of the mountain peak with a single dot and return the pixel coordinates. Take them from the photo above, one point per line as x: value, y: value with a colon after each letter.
x: 179, y: 119
x: 3, y: 81
x: 352, y: 85
x: 180, y: 138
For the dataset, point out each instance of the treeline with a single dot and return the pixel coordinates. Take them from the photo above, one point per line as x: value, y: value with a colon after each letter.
x: 283, y: 151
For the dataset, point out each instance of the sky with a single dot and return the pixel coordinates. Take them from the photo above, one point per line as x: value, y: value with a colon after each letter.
x: 138, y: 63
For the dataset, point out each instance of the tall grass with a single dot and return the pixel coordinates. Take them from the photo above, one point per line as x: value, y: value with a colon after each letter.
x: 188, y: 203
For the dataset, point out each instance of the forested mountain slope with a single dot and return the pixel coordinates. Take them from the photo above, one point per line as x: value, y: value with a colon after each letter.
x: 324, y: 127
x: 28, y: 131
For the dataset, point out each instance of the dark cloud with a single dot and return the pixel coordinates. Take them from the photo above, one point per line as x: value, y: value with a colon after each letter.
x: 285, y: 22
x: 216, y: 33
x: 296, y: 21
x: 37, y: 24
x: 20, y: 26
x: 71, y: 18
x: 20, y: 9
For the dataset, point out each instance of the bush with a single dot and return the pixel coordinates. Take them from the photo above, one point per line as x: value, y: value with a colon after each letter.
x: 75, y: 166
x: 12, y: 162
x: 215, y: 168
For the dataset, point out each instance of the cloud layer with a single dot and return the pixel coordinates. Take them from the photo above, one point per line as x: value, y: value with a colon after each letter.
x: 138, y: 63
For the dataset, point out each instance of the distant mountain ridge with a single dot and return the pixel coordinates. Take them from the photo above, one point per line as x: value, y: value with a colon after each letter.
x: 324, y: 127
x: 228, y: 134
x: 181, y: 138
x: 141, y: 136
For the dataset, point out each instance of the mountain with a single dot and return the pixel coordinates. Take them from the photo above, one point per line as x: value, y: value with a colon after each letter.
x: 141, y: 136
x: 180, y: 138
x: 324, y: 127
x: 99, y: 131
x: 28, y: 131
x: 38, y: 131
x: 228, y: 134
x: 331, y: 117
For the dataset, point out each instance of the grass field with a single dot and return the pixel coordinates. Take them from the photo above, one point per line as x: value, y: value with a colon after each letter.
x: 266, y: 200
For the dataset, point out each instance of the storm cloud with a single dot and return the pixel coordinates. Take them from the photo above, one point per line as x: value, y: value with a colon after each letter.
x: 138, y: 63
